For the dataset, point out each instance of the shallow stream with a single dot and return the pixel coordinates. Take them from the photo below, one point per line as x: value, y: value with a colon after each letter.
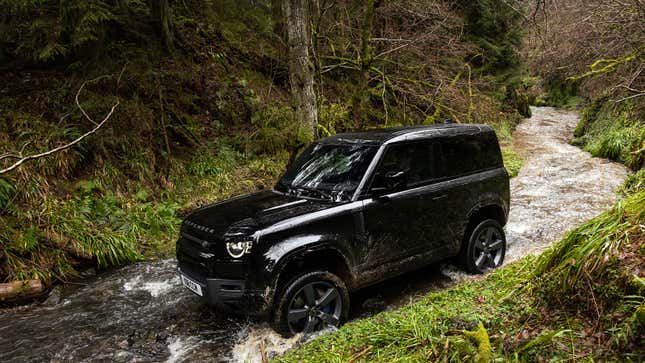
x: 141, y: 313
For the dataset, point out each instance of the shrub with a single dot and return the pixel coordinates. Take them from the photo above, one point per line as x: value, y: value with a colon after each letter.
x: 276, y: 130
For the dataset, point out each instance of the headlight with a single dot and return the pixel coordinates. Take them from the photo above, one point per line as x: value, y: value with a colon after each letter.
x: 238, y: 249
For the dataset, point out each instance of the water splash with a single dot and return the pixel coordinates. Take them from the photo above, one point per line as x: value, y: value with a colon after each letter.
x: 155, y: 288
x: 180, y: 347
x: 250, y: 339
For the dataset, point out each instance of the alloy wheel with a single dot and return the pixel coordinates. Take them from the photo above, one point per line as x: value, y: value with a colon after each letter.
x: 316, y: 306
x: 489, y: 248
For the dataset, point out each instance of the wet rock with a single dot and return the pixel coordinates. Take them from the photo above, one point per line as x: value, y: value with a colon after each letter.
x: 162, y: 337
x: 374, y: 304
x: 90, y: 272
x: 122, y: 356
x: 461, y: 324
x: 55, y: 296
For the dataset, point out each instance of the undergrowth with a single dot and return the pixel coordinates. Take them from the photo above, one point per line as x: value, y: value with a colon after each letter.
x: 581, y: 300
x: 613, y: 130
x: 512, y: 160
x: 103, y: 225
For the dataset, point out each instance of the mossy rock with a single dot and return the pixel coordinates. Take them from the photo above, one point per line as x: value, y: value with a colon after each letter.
x: 480, y: 336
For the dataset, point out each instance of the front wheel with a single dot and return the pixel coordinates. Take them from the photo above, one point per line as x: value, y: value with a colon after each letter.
x: 310, y: 302
x: 485, y: 249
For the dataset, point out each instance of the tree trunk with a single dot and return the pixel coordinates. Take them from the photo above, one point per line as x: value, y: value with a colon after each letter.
x: 161, y: 14
x: 300, y: 67
x: 361, y: 96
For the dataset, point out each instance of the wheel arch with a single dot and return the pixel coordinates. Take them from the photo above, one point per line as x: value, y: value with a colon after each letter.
x: 323, y: 257
x: 482, y: 212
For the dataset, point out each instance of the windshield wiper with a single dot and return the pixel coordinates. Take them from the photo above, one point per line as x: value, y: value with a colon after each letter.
x: 314, y: 190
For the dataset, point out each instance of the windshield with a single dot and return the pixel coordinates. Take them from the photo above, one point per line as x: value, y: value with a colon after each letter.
x: 328, y: 171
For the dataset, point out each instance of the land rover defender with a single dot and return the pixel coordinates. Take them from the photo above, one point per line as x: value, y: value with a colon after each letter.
x: 352, y: 210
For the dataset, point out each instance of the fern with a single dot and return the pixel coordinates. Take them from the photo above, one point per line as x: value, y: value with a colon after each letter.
x: 84, y: 21
x: 52, y: 51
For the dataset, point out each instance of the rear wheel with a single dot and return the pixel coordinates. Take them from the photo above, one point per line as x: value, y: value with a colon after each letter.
x: 310, y: 302
x: 485, y: 248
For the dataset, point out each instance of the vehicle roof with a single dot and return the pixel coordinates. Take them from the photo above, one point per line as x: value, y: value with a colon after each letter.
x: 396, y: 134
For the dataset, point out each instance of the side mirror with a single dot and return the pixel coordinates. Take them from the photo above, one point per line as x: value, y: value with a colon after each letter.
x: 392, y: 181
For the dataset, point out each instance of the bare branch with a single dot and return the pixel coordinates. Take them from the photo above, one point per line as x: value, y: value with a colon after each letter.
x: 629, y: 97
x: 22, y: 159
x: 15, y: 156
x: 78, y: 104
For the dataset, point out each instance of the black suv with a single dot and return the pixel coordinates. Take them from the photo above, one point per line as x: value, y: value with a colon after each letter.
x: 352, y: 210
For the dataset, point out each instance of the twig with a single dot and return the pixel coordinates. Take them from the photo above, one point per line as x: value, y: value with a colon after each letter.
x: 15, y: 156
x: 63, y: 147
x: 163, y: 123
x: 97, y: 126
x: 263, y: 352
x: 78, y: 104
x: 356, y: 357
x: 638, y: 151
x: 629, y: 97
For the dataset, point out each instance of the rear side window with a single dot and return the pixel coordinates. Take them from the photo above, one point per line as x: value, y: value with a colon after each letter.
x: 469, y: 154
x: 417, y: 160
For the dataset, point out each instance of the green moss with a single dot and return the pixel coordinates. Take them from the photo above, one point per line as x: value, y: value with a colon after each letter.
x: 562, y: 93
x: 512, y: 160
x: 480, y: 337
x: 634, y: 183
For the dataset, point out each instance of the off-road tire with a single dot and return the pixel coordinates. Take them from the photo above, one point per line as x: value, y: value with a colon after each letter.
x: 477, y: 246
x: 295, y: 287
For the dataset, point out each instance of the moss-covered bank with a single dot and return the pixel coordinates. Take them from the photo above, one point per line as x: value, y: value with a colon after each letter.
x: 614, y: 130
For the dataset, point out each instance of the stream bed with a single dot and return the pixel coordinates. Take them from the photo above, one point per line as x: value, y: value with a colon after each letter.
x: 142, y: 313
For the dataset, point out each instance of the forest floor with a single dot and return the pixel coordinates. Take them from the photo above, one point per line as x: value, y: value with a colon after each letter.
x: 141, y: 312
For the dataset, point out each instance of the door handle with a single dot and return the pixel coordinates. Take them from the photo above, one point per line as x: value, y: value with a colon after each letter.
x: 440, y: 197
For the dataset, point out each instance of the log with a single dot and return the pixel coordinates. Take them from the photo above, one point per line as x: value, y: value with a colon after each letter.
x: 20, y: 289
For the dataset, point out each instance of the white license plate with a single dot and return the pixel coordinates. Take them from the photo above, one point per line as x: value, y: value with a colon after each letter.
x: 192, y: 285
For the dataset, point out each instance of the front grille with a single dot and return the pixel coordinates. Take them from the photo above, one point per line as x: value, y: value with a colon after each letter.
x: 194, y: 241
x: 191, y: 254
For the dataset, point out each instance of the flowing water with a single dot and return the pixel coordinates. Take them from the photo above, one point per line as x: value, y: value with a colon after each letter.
x: 141, y: 313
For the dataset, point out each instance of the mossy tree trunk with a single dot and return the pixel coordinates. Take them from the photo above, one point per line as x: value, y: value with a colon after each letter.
x: 361, y: 96
x: 296, y: 14
x: 160, y: 10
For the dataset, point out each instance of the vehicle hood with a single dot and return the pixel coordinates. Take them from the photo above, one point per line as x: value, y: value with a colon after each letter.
x: 249, y: 213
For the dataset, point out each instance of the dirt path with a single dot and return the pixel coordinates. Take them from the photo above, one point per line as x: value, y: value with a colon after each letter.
x: 142, y: 313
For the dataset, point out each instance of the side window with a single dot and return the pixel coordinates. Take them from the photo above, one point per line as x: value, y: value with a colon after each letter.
x: 468, y: 154
x: 416, y: 160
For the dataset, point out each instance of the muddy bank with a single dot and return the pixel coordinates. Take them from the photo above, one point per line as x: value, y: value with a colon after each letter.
x: 141, y: 313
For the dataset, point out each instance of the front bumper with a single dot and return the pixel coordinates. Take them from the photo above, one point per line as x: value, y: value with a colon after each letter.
x: 230, y: 295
